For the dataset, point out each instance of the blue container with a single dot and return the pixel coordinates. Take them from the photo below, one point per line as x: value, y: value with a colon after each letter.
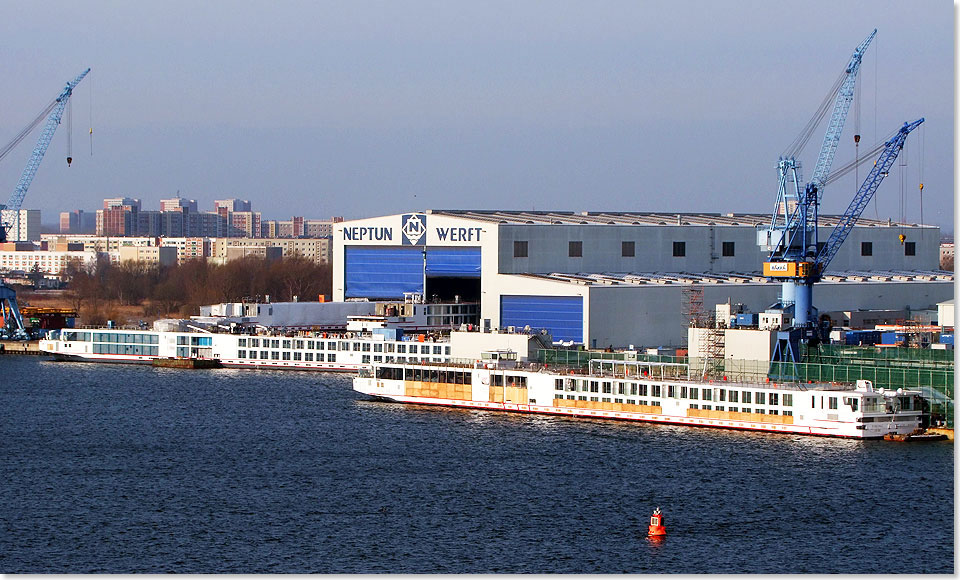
x: 888, y: 338
x: 749, y: 319
x: 946, y: 338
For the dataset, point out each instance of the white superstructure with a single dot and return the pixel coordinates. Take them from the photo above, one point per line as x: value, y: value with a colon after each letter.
x: 650, y: 392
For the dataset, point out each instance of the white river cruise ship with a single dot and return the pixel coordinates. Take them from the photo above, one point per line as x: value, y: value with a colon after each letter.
x: 649, y: 392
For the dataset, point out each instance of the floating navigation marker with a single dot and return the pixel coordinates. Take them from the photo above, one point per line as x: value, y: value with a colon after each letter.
x: 656, y: 524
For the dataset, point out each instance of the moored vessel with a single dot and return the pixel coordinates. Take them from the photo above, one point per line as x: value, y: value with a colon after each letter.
x: 663, y: 393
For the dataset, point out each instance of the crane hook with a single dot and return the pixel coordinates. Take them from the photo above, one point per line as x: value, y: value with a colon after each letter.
x: 902, y: 239
x: 69, y: 160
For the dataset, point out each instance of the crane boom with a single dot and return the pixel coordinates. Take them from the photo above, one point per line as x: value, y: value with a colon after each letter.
x: 840, y: 109
x: 849, y: 218
x: 26, y: 178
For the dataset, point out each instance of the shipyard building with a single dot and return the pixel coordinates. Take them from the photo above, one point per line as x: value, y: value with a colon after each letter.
x: 618, y: 278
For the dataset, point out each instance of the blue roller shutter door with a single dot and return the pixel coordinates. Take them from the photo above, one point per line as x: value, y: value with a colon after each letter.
x: 562, y: 316
x: 453, y: 262
x: 371, y: 272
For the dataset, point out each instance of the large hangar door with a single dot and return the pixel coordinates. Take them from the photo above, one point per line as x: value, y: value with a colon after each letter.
x: 376, y: 272
x: 453, y: 272
x: 561, y: 315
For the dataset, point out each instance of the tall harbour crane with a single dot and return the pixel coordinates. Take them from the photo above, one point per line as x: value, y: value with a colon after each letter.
x: 11, y: 321
x: 9, y: 212
x: 791, y: 237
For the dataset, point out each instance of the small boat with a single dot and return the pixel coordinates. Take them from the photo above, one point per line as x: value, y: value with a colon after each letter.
x: 915, y: 436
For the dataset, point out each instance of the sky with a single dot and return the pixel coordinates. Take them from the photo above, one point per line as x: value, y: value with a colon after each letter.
x: 365, y: 108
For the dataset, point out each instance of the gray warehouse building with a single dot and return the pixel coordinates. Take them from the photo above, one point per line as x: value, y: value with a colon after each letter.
x: 617, y: 278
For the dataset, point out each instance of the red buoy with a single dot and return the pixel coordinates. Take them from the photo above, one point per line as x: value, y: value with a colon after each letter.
x: 656, y: 524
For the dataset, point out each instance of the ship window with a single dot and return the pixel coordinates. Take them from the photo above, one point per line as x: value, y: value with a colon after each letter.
x: 242, y: 342
x: 774, y: 412
x: 331, y: 357
x: 727, y: 249
x: 832, y: 401
x: 575, y: 249
x: 774, y: 399
x: 683, y: 392
x: 746, y: 397
x: 788, y: 413
x: 760, y: 412
x: 319, y: 357
x: 672, y: 391
x: 719, y: 408
x: 866, y: 248
x: 276, y: 343
x: 694, y: 393
x: 365, y: 359
x: 365, y: 347
x: 264, y: 354
x: 571, y: 397
x: 255, y: 342
x: 275, y: 354
x: 297, y: 356
x: 633, y: 389
x: 644, y: 390
x: 581, y: 398
x: 308, y: 356
x: 679, y: 249
x: 356, y: 346
x: 594, y: 386
x: 437, y: 349
x: 733, y: 409
x: 631, y: 402
x: 331, y: 346
x: 733, y: 396
x: 910, y: 248
x: 761, y: 398
x: 310, y: 344
x: 595, y: 399
x: 616, y: 400
x: 378, y: 347
x: 424, y: 349
x: 401, y: 348
x: 607, y: 387
x: 605, y: 400
x: 654, y: 390
x: 787, y: 400
x: 723, y: 394
x: 706, y: 395
x: 242, y: 354
x: 286, y: 355
x: 298, y: 344
x: 628, y: 249
x: 287, y: 343
x: 746, y: 410
x: 558, y: 384
x: 708, y: 407
x: 694, y: 406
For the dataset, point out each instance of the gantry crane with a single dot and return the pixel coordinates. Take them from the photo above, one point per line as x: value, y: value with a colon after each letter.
x: 791, y: 237
x: 10, y: 210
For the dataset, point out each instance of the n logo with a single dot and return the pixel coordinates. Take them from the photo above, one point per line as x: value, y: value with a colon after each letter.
x: 414, y: 228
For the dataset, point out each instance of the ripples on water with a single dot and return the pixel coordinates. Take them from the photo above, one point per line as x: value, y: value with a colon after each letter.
x: 135, y: 469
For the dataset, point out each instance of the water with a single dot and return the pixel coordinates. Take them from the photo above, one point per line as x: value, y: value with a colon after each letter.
x: 135, y: 469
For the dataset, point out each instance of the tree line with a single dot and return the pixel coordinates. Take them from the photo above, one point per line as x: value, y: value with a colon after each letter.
x: 100, y: 291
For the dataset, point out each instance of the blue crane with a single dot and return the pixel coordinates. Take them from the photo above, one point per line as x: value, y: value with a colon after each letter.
x: 16, y: 198
x: 891, y: 150
x: 791, y: 237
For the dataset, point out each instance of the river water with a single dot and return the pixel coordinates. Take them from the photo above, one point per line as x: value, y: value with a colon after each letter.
x: 118, y: 469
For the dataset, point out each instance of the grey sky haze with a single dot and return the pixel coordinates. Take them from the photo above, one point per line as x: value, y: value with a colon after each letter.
x: 366, y: 108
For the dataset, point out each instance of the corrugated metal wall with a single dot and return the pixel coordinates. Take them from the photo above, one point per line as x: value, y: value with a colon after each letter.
x: 561, y: 315
x: 385, y: 272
